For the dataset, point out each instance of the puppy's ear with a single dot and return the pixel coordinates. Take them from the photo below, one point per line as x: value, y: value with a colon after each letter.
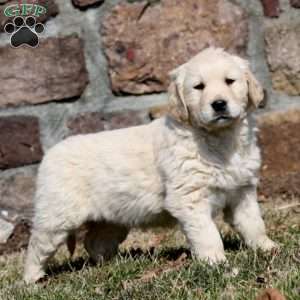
x: 255, y: 90
x: 178, y: 108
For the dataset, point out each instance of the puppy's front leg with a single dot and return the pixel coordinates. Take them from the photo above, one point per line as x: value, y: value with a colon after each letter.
x: 195, y: 217
x: 244, y: 214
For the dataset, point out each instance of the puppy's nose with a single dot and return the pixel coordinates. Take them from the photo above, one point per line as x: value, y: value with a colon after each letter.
x: 219, y: 105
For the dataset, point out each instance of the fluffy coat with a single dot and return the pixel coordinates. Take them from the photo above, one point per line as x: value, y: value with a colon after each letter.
x: 186, y: 166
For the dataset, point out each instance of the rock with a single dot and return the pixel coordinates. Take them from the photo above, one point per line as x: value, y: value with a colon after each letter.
x: 50, y: 5
x: 6, y: 229
x: 18, y: 240
x: 96, y: 121
x: 19, y: 141
x: 143, y: 40
x: 279, y: 140
x: 86, y: 3
x: 295, y: 3
x: 17, y: 193
x: 55, y: 70
x: 9, y: 215
x: 271, y: 8
x: 283, y: 48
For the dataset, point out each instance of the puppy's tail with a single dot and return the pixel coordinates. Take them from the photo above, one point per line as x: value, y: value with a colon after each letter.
x: 71, y: 243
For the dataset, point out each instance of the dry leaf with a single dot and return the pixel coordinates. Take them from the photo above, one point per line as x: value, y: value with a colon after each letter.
x: 271, y: 294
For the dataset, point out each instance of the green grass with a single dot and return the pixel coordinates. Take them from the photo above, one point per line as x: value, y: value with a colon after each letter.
x: 167, y: 271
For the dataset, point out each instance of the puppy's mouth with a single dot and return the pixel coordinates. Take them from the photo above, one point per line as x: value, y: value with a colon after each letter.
x: 222, y: 119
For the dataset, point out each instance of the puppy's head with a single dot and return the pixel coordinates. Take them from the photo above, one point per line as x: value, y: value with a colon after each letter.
x: 213, y: 90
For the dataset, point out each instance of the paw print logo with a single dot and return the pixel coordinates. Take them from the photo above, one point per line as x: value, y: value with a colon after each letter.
x: 24, y: 31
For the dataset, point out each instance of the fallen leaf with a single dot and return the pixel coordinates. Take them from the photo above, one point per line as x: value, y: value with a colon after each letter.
x: 271, y: 294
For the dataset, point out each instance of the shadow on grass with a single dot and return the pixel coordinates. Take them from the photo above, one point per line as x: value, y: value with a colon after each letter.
x: 167, y: 253
x: 79, y: 263
x: 231, y: 243
x: 70, y: 266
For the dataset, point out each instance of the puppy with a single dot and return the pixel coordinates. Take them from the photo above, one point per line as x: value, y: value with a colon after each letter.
x: 199, y: 159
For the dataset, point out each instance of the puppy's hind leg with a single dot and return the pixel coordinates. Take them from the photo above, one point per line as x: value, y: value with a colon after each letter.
x: 42, y: 246
x: 103, y: 239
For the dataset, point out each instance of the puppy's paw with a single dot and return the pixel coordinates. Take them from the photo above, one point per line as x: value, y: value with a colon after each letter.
x: 266, y: 244
x: 269, y: 245
x: 33, y: 276
x: 33, y: 279
x: 212, y: 257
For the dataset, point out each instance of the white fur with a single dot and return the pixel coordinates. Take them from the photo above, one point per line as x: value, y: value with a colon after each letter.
x: 187, y: 169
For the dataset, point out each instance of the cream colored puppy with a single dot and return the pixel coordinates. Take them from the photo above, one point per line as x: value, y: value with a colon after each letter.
x: 200, y: 159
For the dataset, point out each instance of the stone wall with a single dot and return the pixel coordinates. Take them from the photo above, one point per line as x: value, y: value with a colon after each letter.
x: 103, y: 64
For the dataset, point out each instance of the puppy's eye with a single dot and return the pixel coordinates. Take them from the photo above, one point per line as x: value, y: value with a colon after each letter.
x: 229, y: 81
x: 200, y: 86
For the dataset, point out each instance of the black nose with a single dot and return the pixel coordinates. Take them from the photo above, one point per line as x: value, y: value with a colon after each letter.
x: 219, y: 106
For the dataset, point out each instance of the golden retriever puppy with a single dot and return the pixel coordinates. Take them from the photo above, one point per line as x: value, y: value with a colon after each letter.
x: 199, y: 159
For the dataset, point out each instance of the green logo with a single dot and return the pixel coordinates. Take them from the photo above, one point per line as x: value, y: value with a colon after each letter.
x: 24, y: 9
